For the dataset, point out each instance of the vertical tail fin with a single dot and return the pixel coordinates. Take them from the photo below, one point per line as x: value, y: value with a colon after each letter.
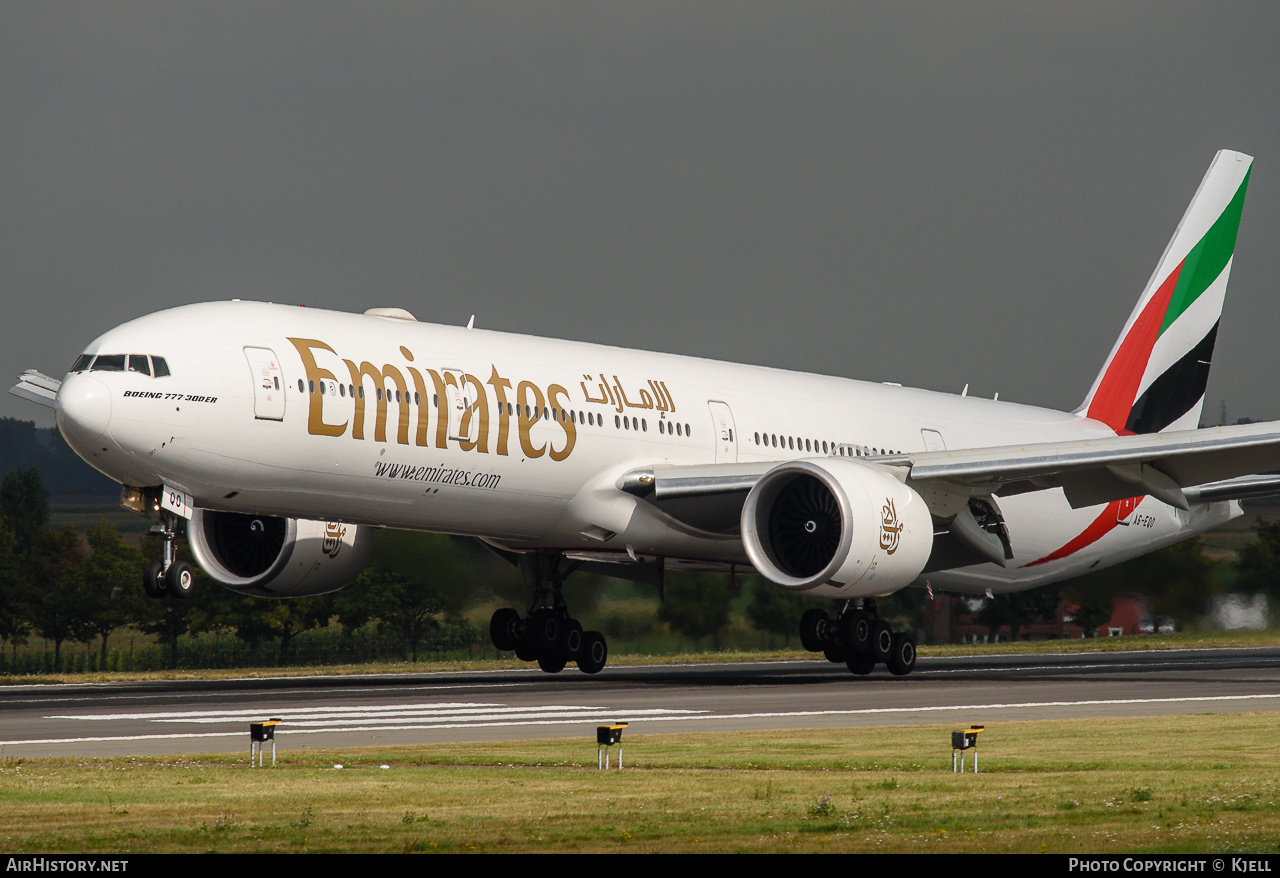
x: 1156, y: 374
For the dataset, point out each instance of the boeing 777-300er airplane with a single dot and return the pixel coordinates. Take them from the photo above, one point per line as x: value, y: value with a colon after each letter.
x: 283, y: 434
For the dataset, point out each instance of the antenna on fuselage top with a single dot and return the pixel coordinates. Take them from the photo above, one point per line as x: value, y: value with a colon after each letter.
x: 471, y: 324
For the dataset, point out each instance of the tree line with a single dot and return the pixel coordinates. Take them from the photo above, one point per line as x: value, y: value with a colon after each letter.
x: 65, y: 586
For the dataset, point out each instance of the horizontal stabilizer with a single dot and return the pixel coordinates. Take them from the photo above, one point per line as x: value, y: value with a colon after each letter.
x: 37, y: 387
x: 1243, y: 488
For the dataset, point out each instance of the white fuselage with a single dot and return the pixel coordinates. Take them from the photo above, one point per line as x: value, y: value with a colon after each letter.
x: 541, y: 431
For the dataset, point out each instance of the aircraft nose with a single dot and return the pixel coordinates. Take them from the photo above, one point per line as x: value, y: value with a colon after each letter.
x: 84, y: 409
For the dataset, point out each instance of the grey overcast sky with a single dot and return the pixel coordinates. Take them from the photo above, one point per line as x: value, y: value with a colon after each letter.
x: 929, y: 193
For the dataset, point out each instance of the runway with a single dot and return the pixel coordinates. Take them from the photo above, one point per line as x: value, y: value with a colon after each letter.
x: 112, y: 719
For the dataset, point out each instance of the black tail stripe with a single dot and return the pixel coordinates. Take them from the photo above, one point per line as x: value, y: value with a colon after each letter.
x: 1174, y: 393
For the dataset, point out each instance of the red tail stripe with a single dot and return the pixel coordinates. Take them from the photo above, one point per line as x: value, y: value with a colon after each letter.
x: 1119, y: 386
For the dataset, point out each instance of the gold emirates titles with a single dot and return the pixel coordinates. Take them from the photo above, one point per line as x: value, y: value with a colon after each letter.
x: 528, y: 405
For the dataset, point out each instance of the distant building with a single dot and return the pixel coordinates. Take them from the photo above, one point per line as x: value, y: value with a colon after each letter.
x: 954, y: 619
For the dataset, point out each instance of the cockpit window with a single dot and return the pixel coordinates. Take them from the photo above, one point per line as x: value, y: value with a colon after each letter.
x: 142, y: 364
x: 109, y: 363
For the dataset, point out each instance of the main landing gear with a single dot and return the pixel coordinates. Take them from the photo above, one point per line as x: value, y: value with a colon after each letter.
x: 859, y: 638
x: 168, y: 576
x: 548, y: 635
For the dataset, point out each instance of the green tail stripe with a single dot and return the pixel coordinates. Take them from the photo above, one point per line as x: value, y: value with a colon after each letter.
x: 1207, y: 258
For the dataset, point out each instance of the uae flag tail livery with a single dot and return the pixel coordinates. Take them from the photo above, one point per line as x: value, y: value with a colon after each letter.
x: 1155, y: 377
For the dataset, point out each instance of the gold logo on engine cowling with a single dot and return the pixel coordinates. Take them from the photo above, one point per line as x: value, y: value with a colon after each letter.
x: 890, y: 527
x: 331, y: 545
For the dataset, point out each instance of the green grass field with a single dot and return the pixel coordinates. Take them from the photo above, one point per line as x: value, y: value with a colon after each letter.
x: 1204, y: 783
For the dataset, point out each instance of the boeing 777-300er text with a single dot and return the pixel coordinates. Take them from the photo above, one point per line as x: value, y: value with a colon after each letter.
x: 283, y: 434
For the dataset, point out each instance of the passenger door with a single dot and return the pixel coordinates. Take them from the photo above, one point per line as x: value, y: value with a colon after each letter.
x: 268, y: 384
x: 726, y: 437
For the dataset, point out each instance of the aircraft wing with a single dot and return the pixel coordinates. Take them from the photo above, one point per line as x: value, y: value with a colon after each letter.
x: 37, y: 387
x: 1092, y: 471
x: 1179, y: 468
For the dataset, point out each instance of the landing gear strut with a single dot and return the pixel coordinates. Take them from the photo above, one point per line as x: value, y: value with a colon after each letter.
x: 548, y: 635
x: 168, y: 576
x: 859, y: 638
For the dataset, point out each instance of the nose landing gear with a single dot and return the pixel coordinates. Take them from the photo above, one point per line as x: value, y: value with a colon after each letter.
x: 168, y: 576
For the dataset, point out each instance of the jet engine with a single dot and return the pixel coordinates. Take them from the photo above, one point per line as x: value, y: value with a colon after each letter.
x: 836, y: 528
x: 277, y: 557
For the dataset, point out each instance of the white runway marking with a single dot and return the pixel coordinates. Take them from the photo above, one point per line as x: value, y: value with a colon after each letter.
x: 445, y: 715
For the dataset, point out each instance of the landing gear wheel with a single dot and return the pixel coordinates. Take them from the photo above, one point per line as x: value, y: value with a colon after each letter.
x: 881, y: 640
x: 153, y: 580
x: 835, y: 653
x: 544, y: 630
x: 570, y: 639
x: 902, y: 660
x: 861, y: 663
x: 526, y: 651
x: 552, y: 664
x: 180, y: 579
x: 813, y: 627
x: 855, y: 630
x: 594, y: 654
x: 502, y: 628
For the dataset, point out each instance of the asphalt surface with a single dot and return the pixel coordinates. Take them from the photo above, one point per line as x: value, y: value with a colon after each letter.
x: 188, y: 717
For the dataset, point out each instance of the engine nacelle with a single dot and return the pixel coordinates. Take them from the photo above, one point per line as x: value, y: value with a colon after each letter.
x: 836, y: 528
x: 277, y: 557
